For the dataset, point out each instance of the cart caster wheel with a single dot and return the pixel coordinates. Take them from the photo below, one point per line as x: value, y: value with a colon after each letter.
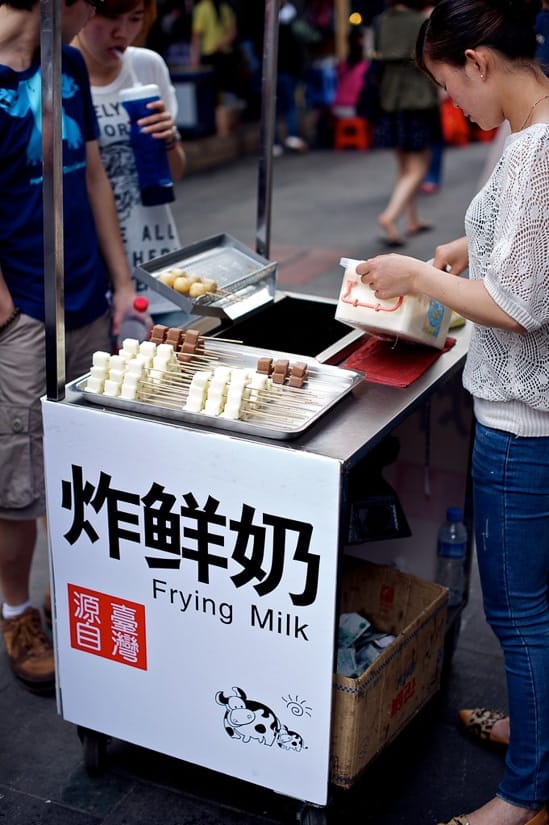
x: 312, y: 815
x: 94, y: 748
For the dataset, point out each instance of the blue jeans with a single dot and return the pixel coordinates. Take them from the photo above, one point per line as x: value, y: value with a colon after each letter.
x: 511, y: 506
x: 286, y: 104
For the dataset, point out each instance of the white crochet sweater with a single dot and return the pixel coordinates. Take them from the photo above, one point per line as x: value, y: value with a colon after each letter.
x: 507, y: 227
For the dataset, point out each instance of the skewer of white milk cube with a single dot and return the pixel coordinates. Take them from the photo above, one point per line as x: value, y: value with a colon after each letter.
x: 198, y: 390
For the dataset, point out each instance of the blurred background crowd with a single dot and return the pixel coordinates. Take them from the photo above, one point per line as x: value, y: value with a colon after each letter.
x: 214, y: 52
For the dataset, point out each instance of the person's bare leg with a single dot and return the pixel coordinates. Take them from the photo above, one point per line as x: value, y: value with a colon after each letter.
x: 387, y: 219
x: 17, y: 541
x: 417, y: 169
x: 29, y: 650
x: 412, y: 169
x: 502, y: 728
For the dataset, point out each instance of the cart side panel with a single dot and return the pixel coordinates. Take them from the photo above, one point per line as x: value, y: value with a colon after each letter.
x: 194, y: 580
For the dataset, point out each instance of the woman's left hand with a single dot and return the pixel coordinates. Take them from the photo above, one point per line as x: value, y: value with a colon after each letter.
x: 389, y: 275
x: 160, y: 123
x: 122, y: 305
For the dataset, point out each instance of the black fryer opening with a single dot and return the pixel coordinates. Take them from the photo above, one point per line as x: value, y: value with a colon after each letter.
x: 292, y: 325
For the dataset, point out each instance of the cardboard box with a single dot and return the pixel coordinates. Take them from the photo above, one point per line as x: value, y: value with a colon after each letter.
x: 371, y: 710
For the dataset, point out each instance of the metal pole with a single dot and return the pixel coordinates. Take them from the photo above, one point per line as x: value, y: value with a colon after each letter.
x: 268, y: 114
x: 52, y: 196
x: 342, y: 10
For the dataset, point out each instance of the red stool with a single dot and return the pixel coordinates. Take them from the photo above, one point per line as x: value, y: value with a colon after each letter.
x: 352, y: 133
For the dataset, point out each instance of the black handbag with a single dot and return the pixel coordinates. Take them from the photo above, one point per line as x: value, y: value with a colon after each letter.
x: 369, y: 102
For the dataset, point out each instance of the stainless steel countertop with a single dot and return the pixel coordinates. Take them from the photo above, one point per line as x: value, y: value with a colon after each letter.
x: 359, y: 421
x: 371, y: 411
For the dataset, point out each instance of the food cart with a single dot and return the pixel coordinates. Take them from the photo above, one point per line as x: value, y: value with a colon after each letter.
x: 196, y: 567
x: 195, y: 578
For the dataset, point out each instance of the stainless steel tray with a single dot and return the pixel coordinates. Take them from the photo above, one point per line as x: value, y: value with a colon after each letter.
x: 245, y: 279
x: 325, y: 386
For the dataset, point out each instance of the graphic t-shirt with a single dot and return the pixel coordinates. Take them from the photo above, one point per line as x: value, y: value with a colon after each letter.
x: 147, y: 231
x: 21, y: 209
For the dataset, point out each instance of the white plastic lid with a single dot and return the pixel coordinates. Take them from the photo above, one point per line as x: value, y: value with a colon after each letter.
x: 139, y: 92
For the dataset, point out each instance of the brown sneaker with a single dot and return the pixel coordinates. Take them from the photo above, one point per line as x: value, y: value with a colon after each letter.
x: 29, y: 651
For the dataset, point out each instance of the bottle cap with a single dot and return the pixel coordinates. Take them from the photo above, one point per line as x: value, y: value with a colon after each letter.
x: 144, y: 92
x: 141, y: 304
x: 453, y: 513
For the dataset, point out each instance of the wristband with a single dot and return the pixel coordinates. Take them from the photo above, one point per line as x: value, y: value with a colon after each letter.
x: 174, y: 140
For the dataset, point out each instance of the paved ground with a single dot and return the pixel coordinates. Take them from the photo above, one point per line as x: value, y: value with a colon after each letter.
x: 324, y: 205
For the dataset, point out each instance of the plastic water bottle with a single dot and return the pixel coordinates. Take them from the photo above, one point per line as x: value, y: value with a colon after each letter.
x: 136, y: 323
x: 151, y: 157
x: 451, y: 552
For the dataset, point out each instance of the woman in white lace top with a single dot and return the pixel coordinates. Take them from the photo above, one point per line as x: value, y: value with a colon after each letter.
x: 482, y: 53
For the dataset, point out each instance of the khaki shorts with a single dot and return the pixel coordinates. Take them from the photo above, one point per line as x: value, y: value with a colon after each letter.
x: 22, y: 384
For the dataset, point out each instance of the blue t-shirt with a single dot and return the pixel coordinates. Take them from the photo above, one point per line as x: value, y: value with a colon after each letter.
x: 21, y: 208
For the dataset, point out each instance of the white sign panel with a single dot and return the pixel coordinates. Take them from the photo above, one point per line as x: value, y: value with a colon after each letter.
x: 194, y: 579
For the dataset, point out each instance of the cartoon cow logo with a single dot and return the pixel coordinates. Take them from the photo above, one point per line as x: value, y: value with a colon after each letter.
x: 289, y: 740
x: 247, y: 719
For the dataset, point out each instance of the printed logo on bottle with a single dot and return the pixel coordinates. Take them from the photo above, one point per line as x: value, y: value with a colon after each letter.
x: 107, y: 626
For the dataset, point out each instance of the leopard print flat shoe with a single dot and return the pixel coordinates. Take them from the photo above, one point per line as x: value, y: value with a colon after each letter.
x: 541, y: 818
x: 456, y: 820
x: 479, y: 722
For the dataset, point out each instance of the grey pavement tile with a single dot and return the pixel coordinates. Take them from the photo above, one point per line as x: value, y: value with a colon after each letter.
x: 30, y: 810
x: 152, y: 805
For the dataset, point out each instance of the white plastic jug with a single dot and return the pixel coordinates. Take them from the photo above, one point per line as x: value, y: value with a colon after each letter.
x: 410, y: 317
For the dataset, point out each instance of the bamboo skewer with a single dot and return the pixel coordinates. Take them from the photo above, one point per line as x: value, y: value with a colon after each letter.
x: 276, y: 393
x: 224, y: 294
x: 226, y: 340
x: 175, y: 401
x: 266, y: 401
x: 204, y: 356
x: 265, y: 398
x: 274, y: 416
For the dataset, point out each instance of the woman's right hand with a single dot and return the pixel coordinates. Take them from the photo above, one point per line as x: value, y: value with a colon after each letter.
x: 452, y: 257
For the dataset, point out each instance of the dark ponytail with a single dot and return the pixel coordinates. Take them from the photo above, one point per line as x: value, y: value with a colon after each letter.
x: 457, y: 25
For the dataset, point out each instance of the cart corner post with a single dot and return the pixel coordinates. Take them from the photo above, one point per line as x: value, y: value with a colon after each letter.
x: 52, y: 152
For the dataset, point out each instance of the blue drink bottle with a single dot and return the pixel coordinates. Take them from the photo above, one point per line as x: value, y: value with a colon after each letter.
x: 151, y: 157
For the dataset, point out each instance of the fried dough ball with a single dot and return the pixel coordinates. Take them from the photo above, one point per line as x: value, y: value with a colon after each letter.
x: 181, y: 284
x: 210, y: 284
x: 197, y: 289
x: 167, y: 278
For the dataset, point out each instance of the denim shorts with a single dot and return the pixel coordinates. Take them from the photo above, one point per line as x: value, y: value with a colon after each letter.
x: 511, y: 512
x: 22, y: 384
